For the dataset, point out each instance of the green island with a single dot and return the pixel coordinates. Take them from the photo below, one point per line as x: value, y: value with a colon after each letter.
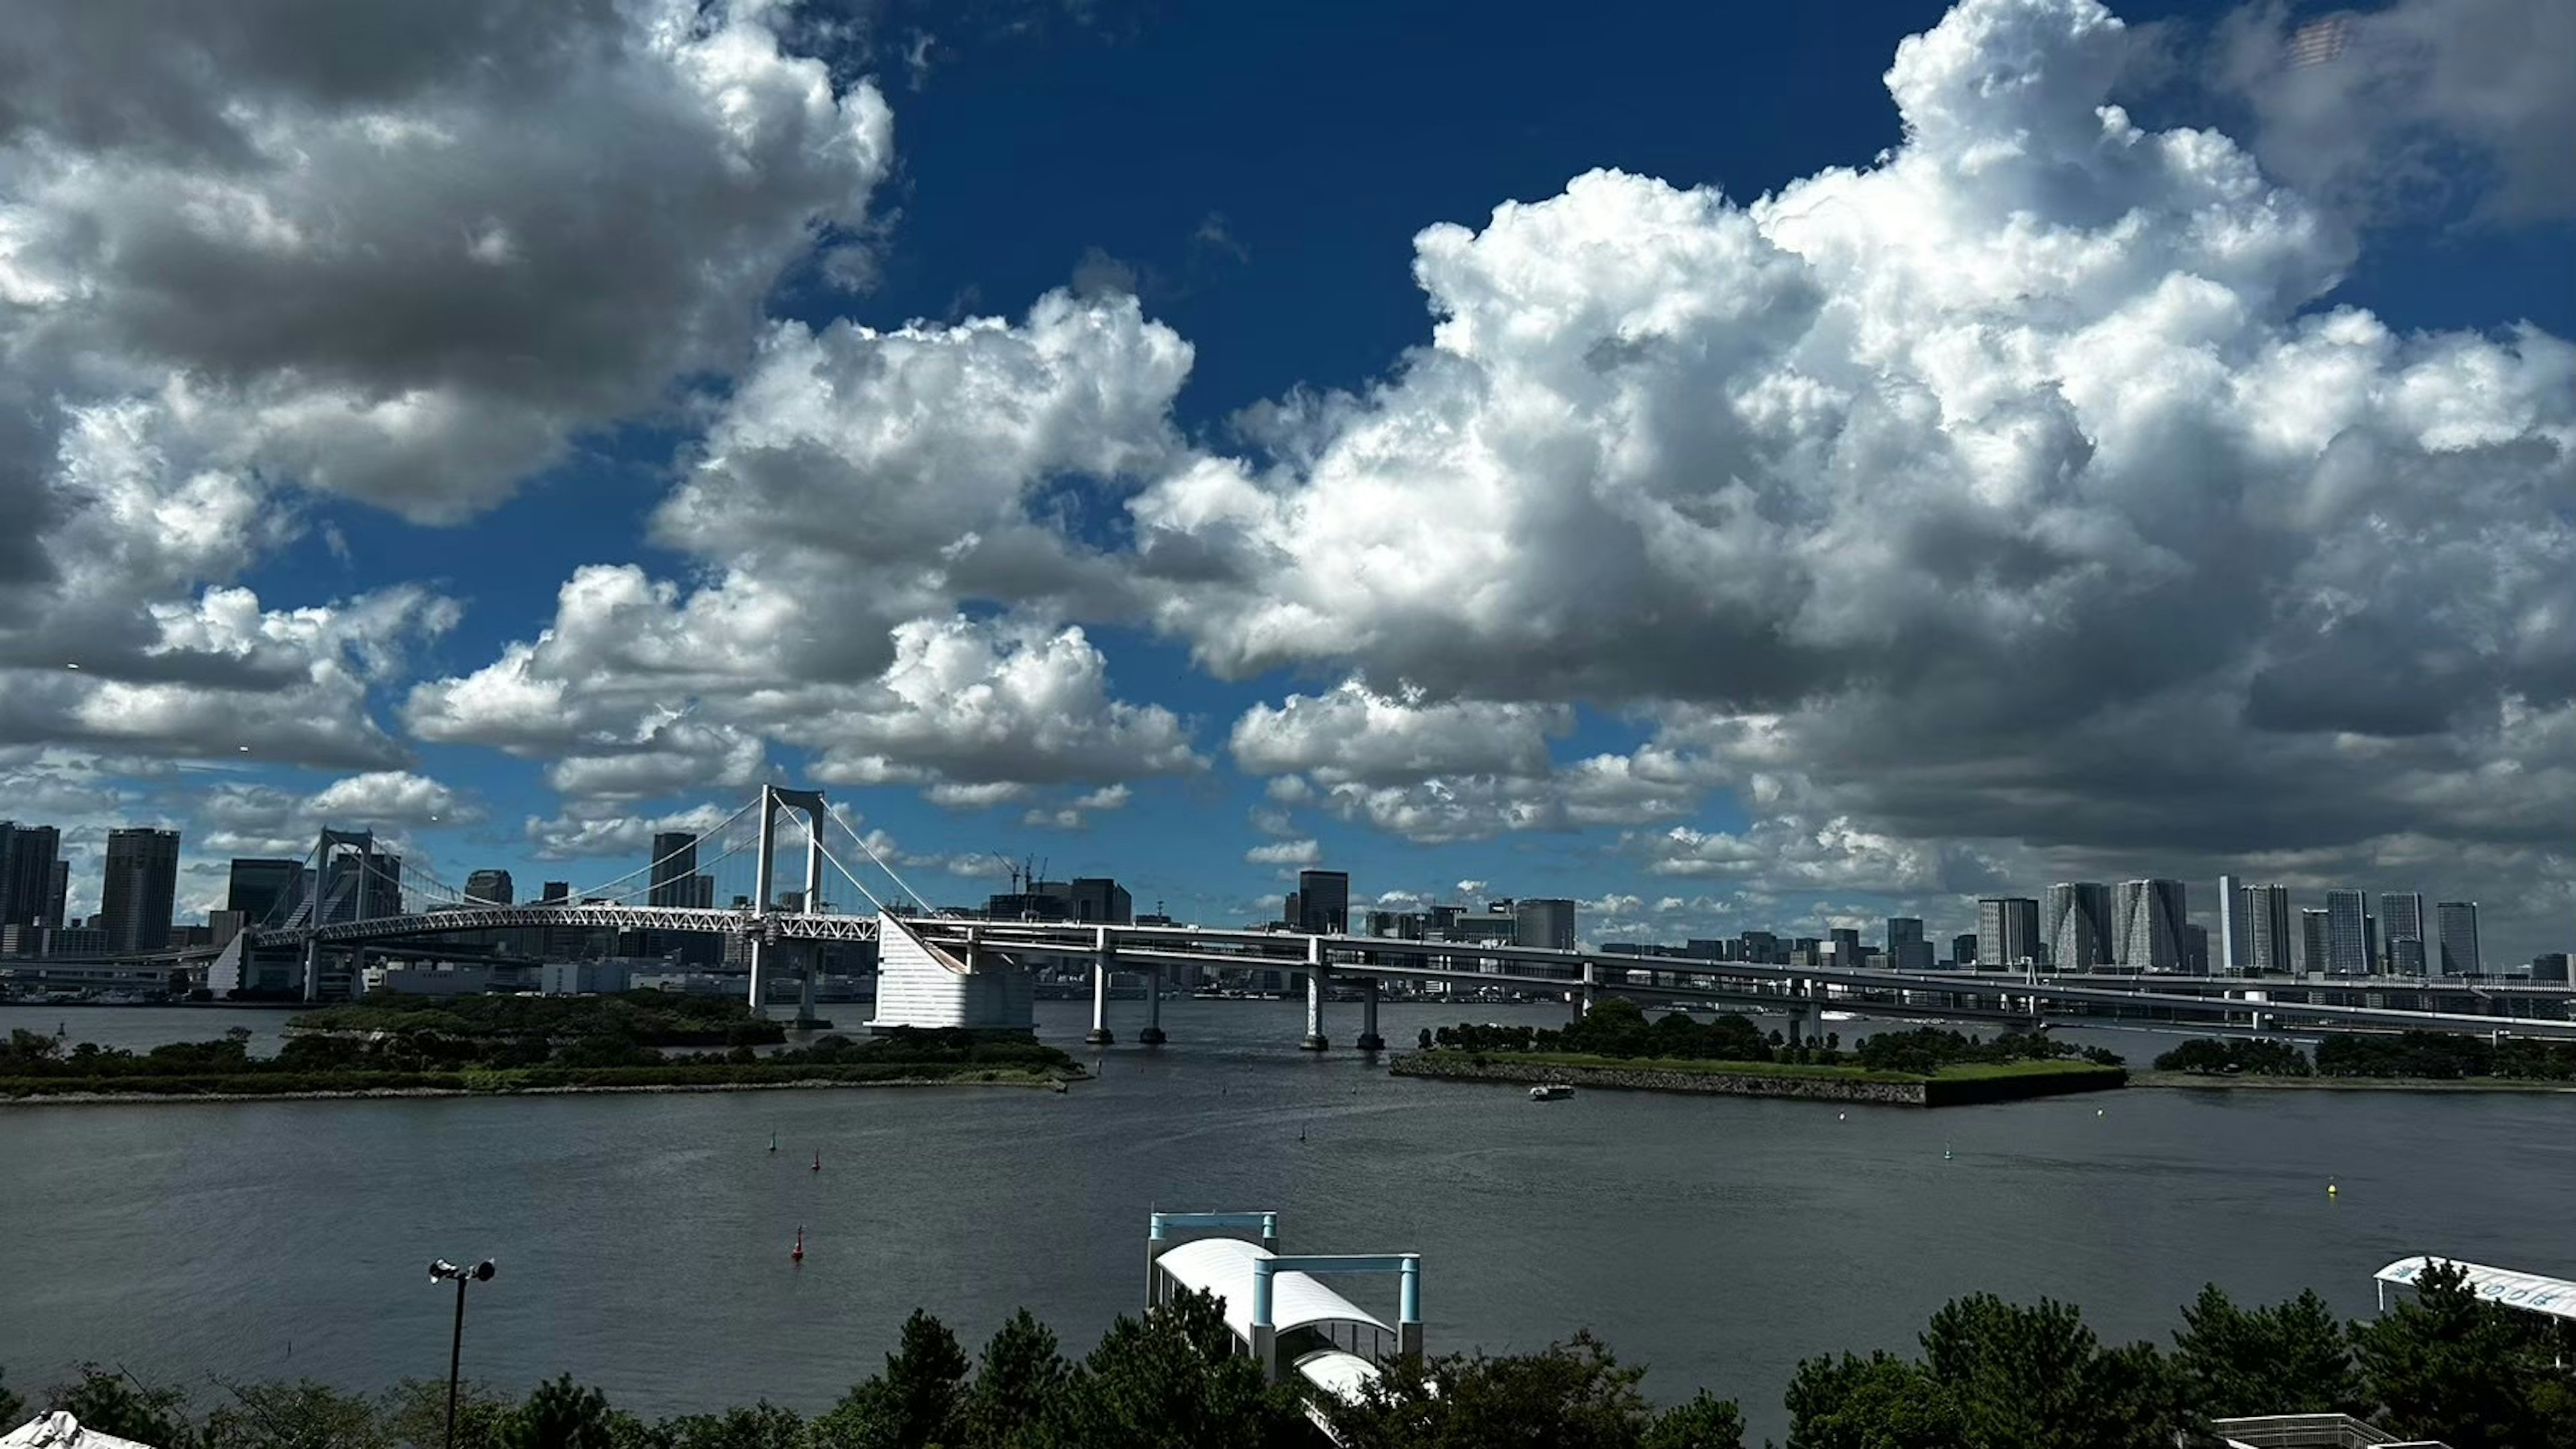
x: 497, y: 1045
x: 1615, y: 1046
x: 2442, y: 1364
x: 2424, y: 1061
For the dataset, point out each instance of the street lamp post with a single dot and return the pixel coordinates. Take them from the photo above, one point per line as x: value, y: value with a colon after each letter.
x: 441, y: 1271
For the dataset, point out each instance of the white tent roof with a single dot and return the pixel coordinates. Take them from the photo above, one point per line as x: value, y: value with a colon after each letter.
x: 2529, y: 1292
x: 1223, y: 1266
x: 1340, y: 1374
x: 62, y: 1431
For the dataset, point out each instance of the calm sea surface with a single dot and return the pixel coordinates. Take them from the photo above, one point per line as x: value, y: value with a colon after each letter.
x: 643, y: 1239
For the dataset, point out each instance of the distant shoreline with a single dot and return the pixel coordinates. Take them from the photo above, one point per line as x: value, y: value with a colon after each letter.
x: 2212, y: 1082
x: 986, y: 1078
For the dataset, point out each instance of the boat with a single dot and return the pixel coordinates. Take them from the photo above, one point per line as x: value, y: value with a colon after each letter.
x: 1552, y: 1092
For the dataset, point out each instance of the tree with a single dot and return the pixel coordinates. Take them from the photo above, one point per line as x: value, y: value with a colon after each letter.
x: 566, y: 1415
x: 128, y: 1408
x: 300, y: 1415
x: 763, y: 1426
x: 1570, y: 1395
x: 11, y: 1406
x: 1022, y: 1374
x: 2292, y: 1358
x: 1878, y: 1402
x: 413, y: 1413
x: 1702, y: 1422
x: 913, y: 1404
x: 1173, y: 1380
x: 2454, y: 1367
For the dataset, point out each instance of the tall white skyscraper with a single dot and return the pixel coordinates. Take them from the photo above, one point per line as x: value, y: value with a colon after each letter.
x: 2267, y: 930
x: 2007, y: 931
x: 2151, y: 915
x: 2077, y: 919
x: 2235, y: 942
x: 2459, y: 923
x: 2347, y: 933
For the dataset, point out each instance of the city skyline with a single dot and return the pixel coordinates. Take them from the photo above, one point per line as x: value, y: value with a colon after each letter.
x: 1713, y: 516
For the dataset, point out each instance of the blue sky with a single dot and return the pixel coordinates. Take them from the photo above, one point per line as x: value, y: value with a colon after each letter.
x: 1259, y: 182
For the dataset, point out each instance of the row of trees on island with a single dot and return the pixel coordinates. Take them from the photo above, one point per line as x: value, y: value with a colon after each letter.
x: 2416, y: 1055
x: 1617, y: 1027
x: 2444, y: 1365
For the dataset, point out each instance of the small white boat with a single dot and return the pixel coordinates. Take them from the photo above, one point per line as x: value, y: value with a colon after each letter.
x: 1552, y: 1092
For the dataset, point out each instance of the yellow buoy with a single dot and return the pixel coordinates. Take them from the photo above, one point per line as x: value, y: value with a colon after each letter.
x: 2332, y: 1190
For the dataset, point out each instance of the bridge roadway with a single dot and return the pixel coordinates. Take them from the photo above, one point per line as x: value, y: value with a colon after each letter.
x: 1954, y: 995
x: 774, y: 924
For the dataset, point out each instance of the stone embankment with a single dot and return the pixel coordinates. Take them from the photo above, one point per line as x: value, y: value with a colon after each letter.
x: 1915, y: 1093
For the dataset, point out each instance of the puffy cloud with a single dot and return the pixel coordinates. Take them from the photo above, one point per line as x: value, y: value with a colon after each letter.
x: 2023, y: 489
x: 1356, y: 735
x: 856, y: 488
x: 574, y: 836
x: 1286, y: 853
x: 2408, y: 106
x: 1076, y: 814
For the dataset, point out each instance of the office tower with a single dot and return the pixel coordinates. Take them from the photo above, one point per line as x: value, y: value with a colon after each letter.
x: 57, y: 914
x: 2235, y: 942
x: 2401, y: 919
x: 2077, y: 918
x: 265, y: 890
x: 555, y: 892
x: 2267, y: 930
x: 2458, y: 923
x: 28, y: 854
x: 1100, y: 899
x: 140, y: 889
x: 1323, y: 902
x: 702, y: 891
x: 2007, y: 931
x: 492, y: 887
x: 2551, y: 967
x: 2195, y: 949
x: 1546, y: 923
x: 2406, y: 957
x: 674, y: 861
x: 2312, y: 940
x: 1846, y: 943
x: 1963, y: 948
x: 1759, y: 947
x: 2347, y: 934
x: 1907, y: 947
x: 2151, y: 915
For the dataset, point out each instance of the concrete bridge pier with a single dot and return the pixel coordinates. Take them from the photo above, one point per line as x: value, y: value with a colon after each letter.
x: 1102, y: 955
x: 759, y: 971
x: 805, y: 999
x: 1152, y: 1035
x: 1314, y: 1041
x: 312, y: 969
x: 1369, y: 1040
x: 1588, y: 994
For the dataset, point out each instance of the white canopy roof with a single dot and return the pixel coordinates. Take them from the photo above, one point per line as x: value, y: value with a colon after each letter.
x: 61, y: 1431
x: 1340, y: 1374
x: 1223, y: 1266
x: 2529, y: 1292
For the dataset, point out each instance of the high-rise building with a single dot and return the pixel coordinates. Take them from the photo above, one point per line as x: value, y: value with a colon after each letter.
x: 2550, y: 966
x: 2267, y: 931
x: 1100, y: 899
x: 361, y: 884
x: 2401, y: 919
x: 1544, y: 923
x: 1846, y: 943
x: 1323, y: 902
x: 2007, y: 932
x: 59, y: 913
x: 1963, y: 948
x: 491, y: 886
x: 2406, y: 957
x: 2312, y: 941
x: 1759, y: 947
x: 2077, y: 918
x: 28, y: 854
x: 1907, y: 947
x: 2347, y: 933
x: 2235, y: 941
x: 555, y: 892
x: 2458, y: 922
x: 140, y: 889
x: 2195, y: 949
x: 264, y: 890
x: 2151, y: 915
x: 674, y: 861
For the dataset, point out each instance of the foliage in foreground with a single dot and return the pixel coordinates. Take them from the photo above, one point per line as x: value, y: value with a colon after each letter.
x: 1991, y: 1375
x: 1617, y: 1027
x: 2421, y: 1055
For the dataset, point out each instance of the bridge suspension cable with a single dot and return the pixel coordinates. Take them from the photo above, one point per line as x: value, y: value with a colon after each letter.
x: 607, y: 891
x: 899, y: 881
